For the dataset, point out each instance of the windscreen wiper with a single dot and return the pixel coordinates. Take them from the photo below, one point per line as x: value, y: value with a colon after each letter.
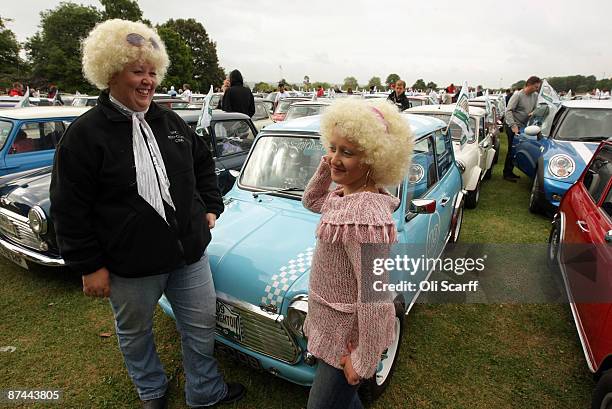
x: 281, y: 190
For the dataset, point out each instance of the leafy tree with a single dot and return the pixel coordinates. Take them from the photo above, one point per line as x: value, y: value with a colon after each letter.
x: 392, y: 79
x: 350, y: 82
x: 10, y: 63
x: 263, y: 87
x: 325, y: 85
x: 519, y: 84
x: 375, y: 81
x: 124, y: 9
x: 181, y: 64
x: 55, y: 50
x: 432, y: 85
x: 419, y: 84
x: 206, y: 69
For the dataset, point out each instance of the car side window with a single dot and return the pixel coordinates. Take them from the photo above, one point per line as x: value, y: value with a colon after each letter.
x: 607, y: 204
x: 599, y: 173
x: 261, y: 112
x: 233, y: 137
x: 422, y: 174
x: 481, y: 130
x: 37, y: 136
x: 444, y: 156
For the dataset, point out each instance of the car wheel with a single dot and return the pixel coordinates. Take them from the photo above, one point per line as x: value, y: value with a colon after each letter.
x: 372, y: 388
x: 472, y: 197
x: 458, y: 223
x: 489, y: 173
x: 535, y: 204
x: 554, y: 241
x: 602, y: 396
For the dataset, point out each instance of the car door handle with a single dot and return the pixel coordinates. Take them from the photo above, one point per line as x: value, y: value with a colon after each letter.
x: 444, y: 201
x: 218, y: 171
x: 582, y: 226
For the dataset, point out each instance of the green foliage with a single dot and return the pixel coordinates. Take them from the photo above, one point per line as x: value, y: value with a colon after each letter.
x: 375, y: 82
x: 419, y: 84
x: 579, y: 83
x: 181, y: 64
x: 350, y: 82
x: 432, y: 85
x: 519, y: 84
x: 392, y: 79
x: 124, y: 9
x: 11, y: 66
x: 325, y: 85
x: 264, y: 87
x: 55, y: 51
x: 206, y: 70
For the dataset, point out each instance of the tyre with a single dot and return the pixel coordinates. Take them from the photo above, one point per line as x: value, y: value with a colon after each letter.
x: 372, y: 388
x: 554, y: 242
x: 602, y: 396
x: 472, y: 198
x: 489, y: 173
x: 535, y: 200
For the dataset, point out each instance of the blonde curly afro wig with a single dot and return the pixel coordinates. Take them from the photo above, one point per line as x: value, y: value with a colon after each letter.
x: 106, y: 50
x: 380, y: 131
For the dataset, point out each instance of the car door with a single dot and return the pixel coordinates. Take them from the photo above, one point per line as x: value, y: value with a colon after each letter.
x: 32, y: 144
x: 484, y: 145
x: 588, y: 256
x: 231, y: 140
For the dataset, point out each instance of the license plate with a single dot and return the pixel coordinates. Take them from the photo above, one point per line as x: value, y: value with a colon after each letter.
x: 7, y: 226
x: 228, y: 321
x: 20, y: 261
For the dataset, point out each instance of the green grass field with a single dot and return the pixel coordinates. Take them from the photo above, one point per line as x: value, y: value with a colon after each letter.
x: 452, y: 356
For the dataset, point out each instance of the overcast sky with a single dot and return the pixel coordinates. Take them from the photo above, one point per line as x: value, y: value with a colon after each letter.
x: 485, y: 42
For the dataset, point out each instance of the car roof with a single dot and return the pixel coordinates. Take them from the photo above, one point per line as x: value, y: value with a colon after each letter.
x: 217, y: 114
x: 588, y: 103
x: 447, y: 109
x: 43, y: 112
x: 320, y: 101
x: 421, y: 125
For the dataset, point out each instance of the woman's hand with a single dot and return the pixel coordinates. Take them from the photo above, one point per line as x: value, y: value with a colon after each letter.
x: 347, y: 365
x: 97, y: 284
x: 211, y: 218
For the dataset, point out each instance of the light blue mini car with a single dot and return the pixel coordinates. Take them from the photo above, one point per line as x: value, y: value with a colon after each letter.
x: 263, y: 244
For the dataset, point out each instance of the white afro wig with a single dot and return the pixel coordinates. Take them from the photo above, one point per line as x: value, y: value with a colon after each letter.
x: 381, y: 132
x: 114, y: 43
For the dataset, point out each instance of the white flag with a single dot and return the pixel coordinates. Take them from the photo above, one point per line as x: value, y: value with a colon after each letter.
x: 548, y: 95
x: 569, y: 95
x: 488, y: 106
x: 54, y: 100
x: 25, y: 100
x: 205, y: 114
x: 461, y: 114
x: 433, y: 97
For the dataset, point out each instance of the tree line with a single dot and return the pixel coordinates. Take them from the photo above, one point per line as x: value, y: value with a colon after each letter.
x: 54, y: 52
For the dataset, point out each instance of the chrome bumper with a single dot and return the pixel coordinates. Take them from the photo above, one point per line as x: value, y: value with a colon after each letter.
x: 31, y: 255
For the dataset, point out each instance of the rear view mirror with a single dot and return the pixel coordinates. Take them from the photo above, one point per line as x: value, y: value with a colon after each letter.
x: 533, y: 130
x: 423, y: 206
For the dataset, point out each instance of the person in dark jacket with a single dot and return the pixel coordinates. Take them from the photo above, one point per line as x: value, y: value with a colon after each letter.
x: 398, y: 96
x: 133, y: 197
x: 237, y: 97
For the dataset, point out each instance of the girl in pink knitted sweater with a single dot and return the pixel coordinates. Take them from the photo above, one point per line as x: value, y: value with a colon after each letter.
x: 369, y: 146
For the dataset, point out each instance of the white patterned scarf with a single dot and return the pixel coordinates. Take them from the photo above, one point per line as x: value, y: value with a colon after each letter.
x: 151, y: 177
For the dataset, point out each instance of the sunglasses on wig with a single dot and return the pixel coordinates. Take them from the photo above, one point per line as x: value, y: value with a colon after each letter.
x: 138, y: 40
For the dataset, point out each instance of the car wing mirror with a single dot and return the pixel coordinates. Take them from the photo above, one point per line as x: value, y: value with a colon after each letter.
x: 533, y: 130
x: 609, y: 236
x: 422, y: 206
x: 234, y: 173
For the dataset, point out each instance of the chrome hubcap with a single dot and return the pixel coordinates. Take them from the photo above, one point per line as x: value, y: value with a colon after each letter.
x: 388, y: 357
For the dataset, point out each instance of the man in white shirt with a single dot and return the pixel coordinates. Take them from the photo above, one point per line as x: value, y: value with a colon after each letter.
x: 281, y: 94
x: 186, y: 95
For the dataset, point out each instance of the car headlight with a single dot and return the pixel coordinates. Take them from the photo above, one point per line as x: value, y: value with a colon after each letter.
x: 37, y: 220
x: 461, y: 165
x: 561, y: 166
x: 296, y: 315
x: 416, y: 173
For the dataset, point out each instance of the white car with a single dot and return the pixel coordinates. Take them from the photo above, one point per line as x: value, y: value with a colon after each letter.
x: 307, y: 108
x: 474, y: 155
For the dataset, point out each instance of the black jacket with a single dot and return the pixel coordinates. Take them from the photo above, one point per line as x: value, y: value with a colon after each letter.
x: 402, y: 101
x: 99, y: 217
x: 238, y: 98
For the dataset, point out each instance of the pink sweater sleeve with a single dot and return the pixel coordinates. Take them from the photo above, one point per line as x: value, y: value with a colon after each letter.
x: 375, y: 316
x: 317, y: 189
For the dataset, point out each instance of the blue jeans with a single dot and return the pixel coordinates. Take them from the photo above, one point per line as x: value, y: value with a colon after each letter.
x: 190, y: 290
x: 330, y: 390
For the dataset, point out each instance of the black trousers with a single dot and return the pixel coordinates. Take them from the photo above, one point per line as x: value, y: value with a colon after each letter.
x: 508, y: 165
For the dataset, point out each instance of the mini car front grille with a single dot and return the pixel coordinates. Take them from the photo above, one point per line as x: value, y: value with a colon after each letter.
x: 17, y: 229
x: 264, y: 335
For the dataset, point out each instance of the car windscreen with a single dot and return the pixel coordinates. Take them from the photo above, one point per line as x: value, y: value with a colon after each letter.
x: 299, y: 111
x: 261, y: 111
x: 283, y: 106
x: 282, y: 162
x: 5, y: 131
x: 585, y: 124
x: 455, y: 130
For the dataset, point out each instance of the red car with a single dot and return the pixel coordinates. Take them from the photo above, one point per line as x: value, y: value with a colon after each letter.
x: 580, y: 246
